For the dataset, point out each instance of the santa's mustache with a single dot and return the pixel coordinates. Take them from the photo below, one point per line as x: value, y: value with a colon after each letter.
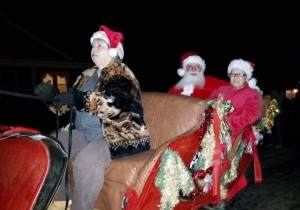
x: 192, y: 78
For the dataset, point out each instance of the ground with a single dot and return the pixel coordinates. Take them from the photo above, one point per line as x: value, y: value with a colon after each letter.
x: 280, y: 187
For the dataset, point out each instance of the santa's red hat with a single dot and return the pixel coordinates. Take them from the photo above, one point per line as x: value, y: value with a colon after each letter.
x: 188, y: 58
x: 112, y: 38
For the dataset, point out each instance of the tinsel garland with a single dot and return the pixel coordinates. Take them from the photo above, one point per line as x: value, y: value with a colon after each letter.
x: 202, y: 164
x: 174, y: 178
x: 231, y: 174
x: 267, y: 121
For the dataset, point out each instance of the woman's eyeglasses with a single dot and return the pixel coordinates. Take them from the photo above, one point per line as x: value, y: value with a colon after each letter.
x: 239, y: 75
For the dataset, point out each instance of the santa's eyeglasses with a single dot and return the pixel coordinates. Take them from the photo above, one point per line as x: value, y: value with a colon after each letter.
x: 239, y: 75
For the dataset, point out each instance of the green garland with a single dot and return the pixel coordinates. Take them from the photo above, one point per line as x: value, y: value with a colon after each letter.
x: 267, y: 122
x: 174, y: 176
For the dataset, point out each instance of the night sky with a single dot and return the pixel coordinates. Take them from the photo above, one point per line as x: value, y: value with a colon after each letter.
x: 265, y: 32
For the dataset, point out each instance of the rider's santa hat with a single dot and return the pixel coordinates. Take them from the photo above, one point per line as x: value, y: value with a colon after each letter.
x: 247, y: 67
x: 188, y: 58
x: 112, y: 38
x: 243, y: 65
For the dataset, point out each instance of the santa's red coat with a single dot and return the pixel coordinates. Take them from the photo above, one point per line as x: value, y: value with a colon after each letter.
x: 211, y: 83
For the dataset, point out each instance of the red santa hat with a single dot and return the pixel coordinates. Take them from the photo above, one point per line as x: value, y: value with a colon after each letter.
x: 188, y: 58
x: 247, y: 67
x: 243, y: 65
x: 112, y: 38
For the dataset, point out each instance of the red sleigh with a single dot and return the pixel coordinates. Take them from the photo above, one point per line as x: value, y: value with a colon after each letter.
x: 131, y: 183
x: 175, y: 123
x: 185, y: 147
x: 32, y: 166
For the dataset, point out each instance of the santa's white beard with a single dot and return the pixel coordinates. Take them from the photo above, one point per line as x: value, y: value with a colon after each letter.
x: 194, y: 80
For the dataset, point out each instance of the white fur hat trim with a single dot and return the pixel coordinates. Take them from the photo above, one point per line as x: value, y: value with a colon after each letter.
x: 252, y: 84
x: 180, y: 72
x: 100, y: 35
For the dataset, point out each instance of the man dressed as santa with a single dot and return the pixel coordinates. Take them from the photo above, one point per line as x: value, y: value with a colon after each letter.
x: 193, y: 82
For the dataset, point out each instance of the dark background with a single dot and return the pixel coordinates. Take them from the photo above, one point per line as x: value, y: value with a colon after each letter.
x: 157, y: 34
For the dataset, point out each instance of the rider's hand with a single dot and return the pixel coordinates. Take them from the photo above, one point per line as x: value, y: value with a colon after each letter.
x: 45, y: 91
x: 75, y: 98
x: 79, y: 99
